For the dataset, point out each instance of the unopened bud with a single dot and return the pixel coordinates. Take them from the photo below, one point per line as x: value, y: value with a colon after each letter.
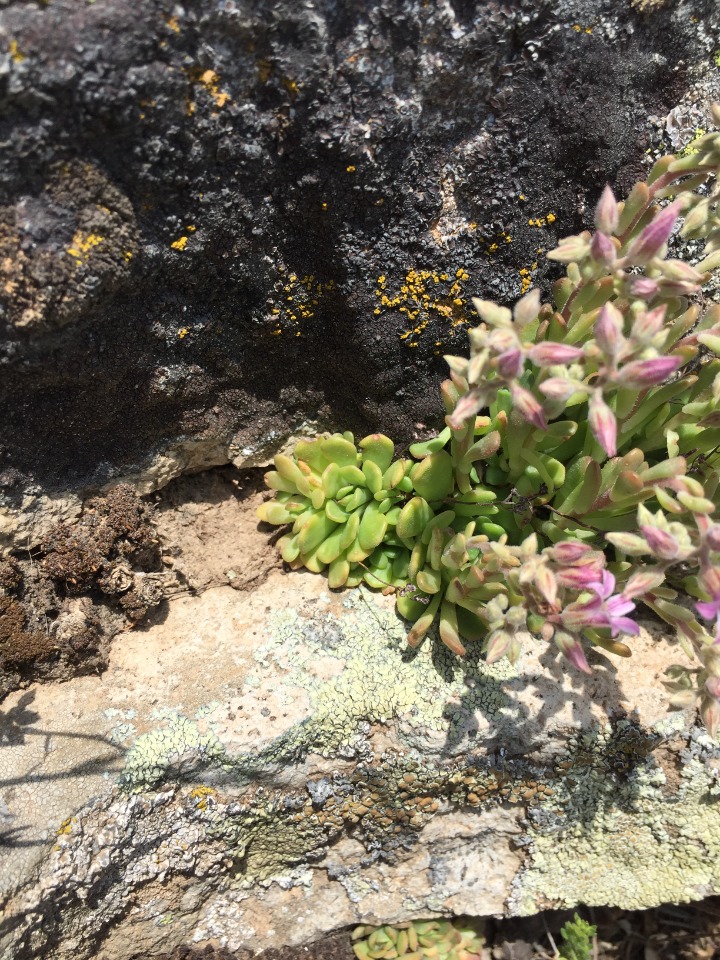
x: 570, y: 250
x: 569, y: 551
x: 550, y: 354
x: 510, y: 364
x: 603, y: 423
x: 560, y: 388
x: 648, y: 323
x: 644, y: 288
x: 458, y: 365
x: 647, y: 373
x: 710, y: 714
x: 527, y: 309
x: 629, y: 543
x: 528, y: 406
x: 655, y: 235
x: 602, y: 249
x: 493, y: 314
x: 663, y: 544
x: 606, y: 212
x: 571, y: 648
x: 608, y: 330
x: 642, y: 582
x: 498, y: 645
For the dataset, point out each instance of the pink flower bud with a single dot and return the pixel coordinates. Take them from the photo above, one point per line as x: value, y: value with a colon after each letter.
x: 570, y: 249
x: 608, y: 330
x: 602, y: 249
x: 510, y: 364
x: 606, y: 212
x: 552, y: 354
x: 644, y: 288
x: 679, y: 270
x: 629, y: 543
x: 663, y: 544
x: 642, y: 582
x: 558, y: 388
x: 576, y: 578
x: 571, y: 648
x: 546, y: 584
x: 710, y: 713
x: 647, y: 373
x: 498, y: 645
x: 526, y: 309
x: 646, y: 325
x: 713, y: 537
x: 569, y: 551
x: 655, y: 235
x: 603, y: 424
x: 467, y: 406
x: 712, y: 685
x: 528, y: 406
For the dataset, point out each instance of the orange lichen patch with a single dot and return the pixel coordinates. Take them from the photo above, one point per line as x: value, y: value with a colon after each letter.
x: 542, y: 221
x: 172, y: 23
x: 16, y: 54
x: 296, y: 300
x: 182, y: 333
x: 209, y: 80
x: 350, y: 168
x: 426, y: 295
x: 180, y: 243
x: 204, y: 796
x: 82, y: 244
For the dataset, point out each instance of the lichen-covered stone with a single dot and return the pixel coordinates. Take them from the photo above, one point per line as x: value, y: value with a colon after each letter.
x: 267, y: 755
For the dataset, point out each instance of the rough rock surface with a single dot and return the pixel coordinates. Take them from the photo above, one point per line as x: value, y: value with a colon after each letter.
x: 219, y: 220
x: 256, y: 768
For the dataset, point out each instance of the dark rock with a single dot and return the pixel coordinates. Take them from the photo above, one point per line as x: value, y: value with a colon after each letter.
x: 198, y: 203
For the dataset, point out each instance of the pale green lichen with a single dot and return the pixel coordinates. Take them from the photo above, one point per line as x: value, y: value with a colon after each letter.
x: 154, y: 755
x: 624, y: 841
x: 380, y: 681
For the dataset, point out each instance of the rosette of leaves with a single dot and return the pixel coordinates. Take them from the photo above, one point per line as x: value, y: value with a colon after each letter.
x: 420, y: 940
x: 363, y: 516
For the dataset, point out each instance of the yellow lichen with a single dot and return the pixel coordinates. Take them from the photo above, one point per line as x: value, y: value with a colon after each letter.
x: 16, y: 54
x: 82, y: 244
x: 209, y: 80
x: 180, y: 243
x: 301, y: 295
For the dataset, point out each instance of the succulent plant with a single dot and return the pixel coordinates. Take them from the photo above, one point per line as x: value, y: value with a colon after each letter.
x: 577, y: 471
x: 420, y: 940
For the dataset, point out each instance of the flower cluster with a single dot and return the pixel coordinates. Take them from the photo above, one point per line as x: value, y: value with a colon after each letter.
x: 577, y: 473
